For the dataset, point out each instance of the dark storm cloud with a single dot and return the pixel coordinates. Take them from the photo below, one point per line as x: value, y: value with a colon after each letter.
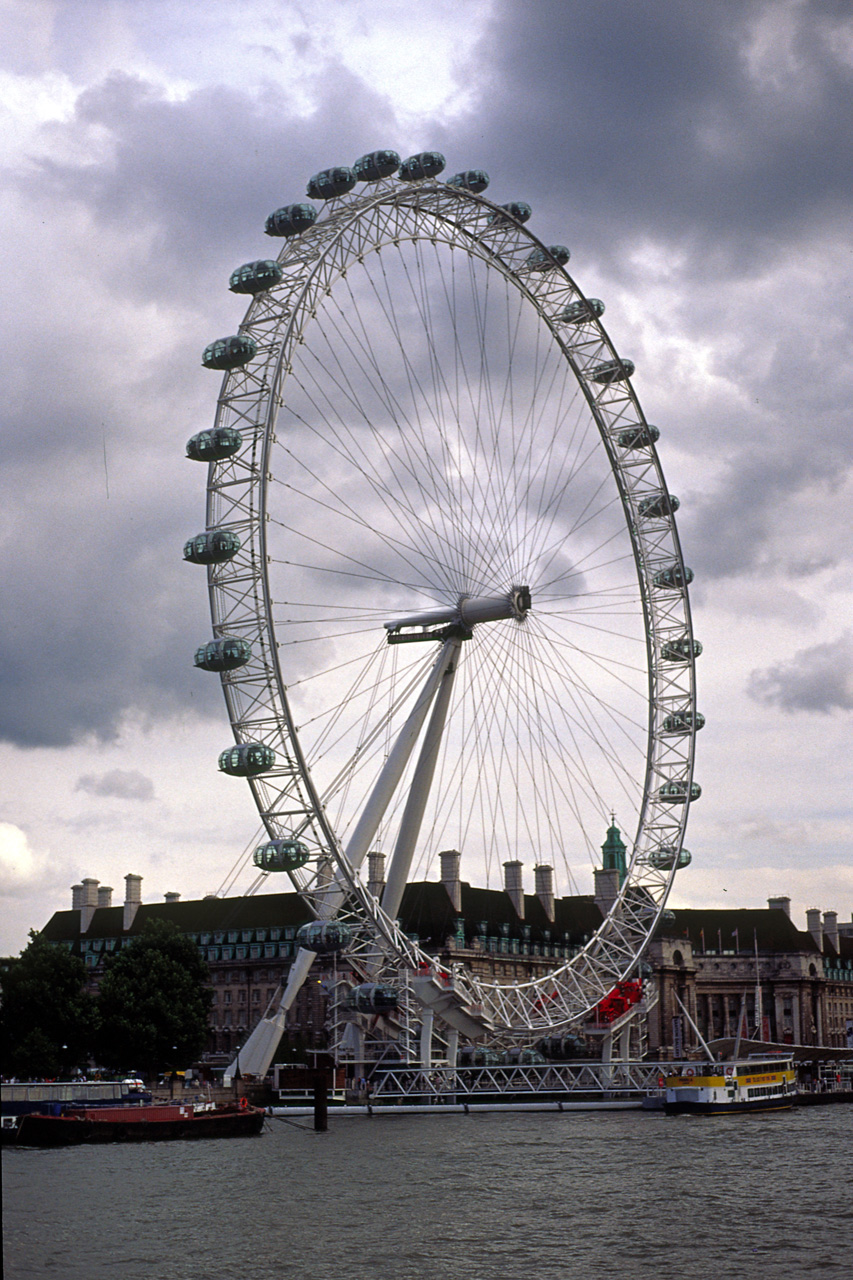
x: 818, y: 679
x: 123, y: 784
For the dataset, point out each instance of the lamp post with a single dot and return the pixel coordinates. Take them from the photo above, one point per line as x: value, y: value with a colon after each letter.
x: 237, y: 1076
x: 64, y: 1063
x: 172, y: 1074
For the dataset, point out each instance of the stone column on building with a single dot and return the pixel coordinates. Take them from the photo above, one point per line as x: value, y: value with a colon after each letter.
x: 132, y: 900
x: 813, y: 924
x: 543, y: 878
x: 830, y: 928
x: 89, y: 903
x: 514, y: 886
x: 105, y: 895
x: 450, y: 864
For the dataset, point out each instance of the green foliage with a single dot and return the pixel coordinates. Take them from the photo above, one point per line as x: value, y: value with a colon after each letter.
x: 48, y: 1021
x: 154, y: 1003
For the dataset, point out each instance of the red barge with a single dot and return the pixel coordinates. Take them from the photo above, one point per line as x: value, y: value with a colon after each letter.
x: 160, y: 1122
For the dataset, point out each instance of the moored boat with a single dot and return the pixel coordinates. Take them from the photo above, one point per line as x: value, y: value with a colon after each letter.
x: 741, y: 1084
x: 159, y: 1122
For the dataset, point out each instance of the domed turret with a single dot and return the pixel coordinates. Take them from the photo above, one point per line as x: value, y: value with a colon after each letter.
x: 247, y: 760
x: 583, y: 309
x: 226, y: 654
x: 324, y: 937
x: 213, y: 547
x: 639, y: 437
x: 376, y: 165
x: 214, y: 444
x: 229, y: 353
x: 255, y: 277
x: 281, y: 855
x: 291, y: 220
x: 329, y: 183
x: 475, y: 180
x: 426, y: 164
x: 612, y: 371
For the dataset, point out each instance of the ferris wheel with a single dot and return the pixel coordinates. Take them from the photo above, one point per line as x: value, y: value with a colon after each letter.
x: 449, y: 605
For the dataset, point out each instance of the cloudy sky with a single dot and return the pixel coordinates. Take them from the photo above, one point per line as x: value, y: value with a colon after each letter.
x: 695, y: 158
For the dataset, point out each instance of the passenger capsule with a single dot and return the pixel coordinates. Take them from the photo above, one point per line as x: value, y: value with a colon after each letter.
x: 546, y: 259
x: 292, y: 220
x: 426, y: 164
x: 612, y: 371
x: 516, y: 209
x: 281, y: 855
x: 674, y: 577
x: 681, y: 650
x: 683, y: 722
x: 583, y: 309
x: 475, y: 180
x: 255, y: 277
x: 676, y: 792
x: 639, y: 437
x: 229, y: 353
x: 214, y: 444
x: 214, y: 547
x: 372, y: 997
x: 226, y: 654
x: 324, y: 937
x: 329, y: 183
x: 658, y: 505
x: 247, y: 759
x: 376, y: 165
x: 665, y: 858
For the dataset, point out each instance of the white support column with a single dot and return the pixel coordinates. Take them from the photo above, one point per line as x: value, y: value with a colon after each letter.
x: 413, y: 814
x: 452, y: 1047
x: 426, y: 1040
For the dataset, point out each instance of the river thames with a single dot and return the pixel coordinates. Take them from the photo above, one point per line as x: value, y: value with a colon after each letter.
x: 476, y: 1197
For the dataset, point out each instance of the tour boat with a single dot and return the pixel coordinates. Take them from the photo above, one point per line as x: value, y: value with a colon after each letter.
x: 741, y: 1084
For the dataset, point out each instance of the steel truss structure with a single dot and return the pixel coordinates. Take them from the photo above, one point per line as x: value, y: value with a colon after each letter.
x: 436, y: 416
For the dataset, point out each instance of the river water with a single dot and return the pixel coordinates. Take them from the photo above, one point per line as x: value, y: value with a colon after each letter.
x: 479, y: 1197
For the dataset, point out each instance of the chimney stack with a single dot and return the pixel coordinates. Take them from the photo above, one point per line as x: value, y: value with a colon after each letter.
x: 105, y: 896
x: 450, y: 862
x: 780, y: 904
x: 76, y: 897
x: 132, y: 900
x: 375, y: 873
x: 514, y: 886
x: 171, y: 896
x: 814, y: 926
x: 89, y: 902
x: 830, y: 928
x: 543, y: 878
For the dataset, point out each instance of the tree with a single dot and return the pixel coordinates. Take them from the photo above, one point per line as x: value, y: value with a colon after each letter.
x: 48, y: 1021
x: 154, y: 1002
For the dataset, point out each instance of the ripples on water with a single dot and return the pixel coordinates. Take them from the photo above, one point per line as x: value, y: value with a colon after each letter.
x: 488, y: 1197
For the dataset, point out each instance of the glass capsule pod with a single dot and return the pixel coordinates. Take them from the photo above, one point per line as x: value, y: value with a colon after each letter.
x: 639, y: 437
x: 680, y: 650
x: 475, y: 180
x: 673, y: 577
x: 426, y: 164
x: 226, y: 654
x: 214, y: 444
x: 246, y: 760
x: 683, y: 722
x: 255, y: 277
x: 583, y: 309
x: 658, y: 505
x: 376, y: 165
x: 229, y: 353
x: 676, y: 792
x: 546, y: 259
x: 665, y: 858
x: 213, y: 547
x: 281, y: 855
x: 612, y: 371
x: 562, y: 1048
x: 324, y: 937
x: 291, y: 220
x: 516, y: 209
x: 372, y: 997
x: 329, y: 183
